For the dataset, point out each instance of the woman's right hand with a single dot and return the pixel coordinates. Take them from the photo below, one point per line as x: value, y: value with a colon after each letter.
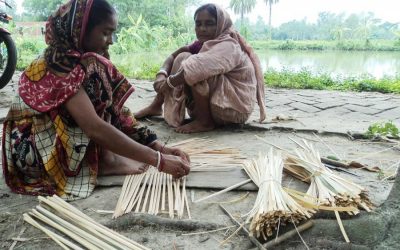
x: 175, y: 166
x: 159, y: 83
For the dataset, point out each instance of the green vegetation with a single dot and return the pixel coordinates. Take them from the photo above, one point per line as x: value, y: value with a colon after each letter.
x: 306, y: 80
x: 347, y: 45
x: 382, y: 129
x: 149, y: 30
x: 28, y: 49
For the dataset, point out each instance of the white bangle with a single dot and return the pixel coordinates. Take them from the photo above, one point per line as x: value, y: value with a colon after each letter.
x: 169, y: 83
x: 158, y: 160
x: 162, y: 71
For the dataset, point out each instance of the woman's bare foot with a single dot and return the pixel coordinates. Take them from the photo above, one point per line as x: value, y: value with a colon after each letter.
x: 119, y: 165
x: 155, y: 108
x: 150, y: 110
x: 195, y: 127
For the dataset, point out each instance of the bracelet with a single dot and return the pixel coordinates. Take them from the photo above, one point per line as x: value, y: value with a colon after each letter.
x: 161, y: 167
x: 169, y: 83
x: 158, y: 160
x: 162, y: 149
x: 162, y: 71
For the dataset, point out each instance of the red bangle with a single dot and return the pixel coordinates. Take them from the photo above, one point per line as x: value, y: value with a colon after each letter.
x: 161, y: 167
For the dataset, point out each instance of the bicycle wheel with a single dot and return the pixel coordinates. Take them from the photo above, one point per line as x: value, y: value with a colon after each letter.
x: 8, y: 59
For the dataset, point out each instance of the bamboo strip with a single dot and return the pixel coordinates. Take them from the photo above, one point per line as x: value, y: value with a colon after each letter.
x: 62, y: 242
x: 59, y: 203
x: 205, y: 155
x: 67, y: 232
x: 224, y: 190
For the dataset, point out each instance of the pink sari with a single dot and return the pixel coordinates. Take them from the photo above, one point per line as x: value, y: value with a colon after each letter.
x: 227, y: 71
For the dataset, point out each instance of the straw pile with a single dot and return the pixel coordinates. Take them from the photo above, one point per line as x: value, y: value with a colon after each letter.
x: 273, y: 206
x: 54, y: 216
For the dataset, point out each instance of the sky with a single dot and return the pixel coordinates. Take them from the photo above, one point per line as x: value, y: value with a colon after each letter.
x: 288, y: 10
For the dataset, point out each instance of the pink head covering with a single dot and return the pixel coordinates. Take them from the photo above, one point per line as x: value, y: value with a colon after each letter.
x: 224, y: 26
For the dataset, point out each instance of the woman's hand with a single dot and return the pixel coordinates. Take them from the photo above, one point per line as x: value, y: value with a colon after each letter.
x: 177, y: 152
x: 175, y: 166
x: 160, y: 83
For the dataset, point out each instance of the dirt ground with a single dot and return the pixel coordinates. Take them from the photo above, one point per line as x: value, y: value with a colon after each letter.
x: 379, y: 229
x: 170, y: 234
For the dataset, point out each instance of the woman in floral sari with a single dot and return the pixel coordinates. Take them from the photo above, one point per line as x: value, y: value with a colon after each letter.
x: 67, y: 124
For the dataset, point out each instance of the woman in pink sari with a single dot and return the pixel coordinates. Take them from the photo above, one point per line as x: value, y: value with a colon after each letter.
x: 218, y: 78
x: 67, y: 123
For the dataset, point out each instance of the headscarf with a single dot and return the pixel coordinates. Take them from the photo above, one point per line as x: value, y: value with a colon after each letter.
x: 65, y: 30
x: 224, y: 27
x: 57, y: 75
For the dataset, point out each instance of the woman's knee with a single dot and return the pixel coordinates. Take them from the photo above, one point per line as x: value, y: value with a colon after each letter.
x: 178, y: 61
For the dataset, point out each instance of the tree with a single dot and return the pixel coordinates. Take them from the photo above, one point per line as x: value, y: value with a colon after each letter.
x: 368, y: 22
x: 242, y: 7
x: 270, y: 3
x: 166, y: 13
x: 40, y: 10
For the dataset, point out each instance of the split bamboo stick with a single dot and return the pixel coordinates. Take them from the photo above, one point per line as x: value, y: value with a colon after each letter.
x: 80, y: 228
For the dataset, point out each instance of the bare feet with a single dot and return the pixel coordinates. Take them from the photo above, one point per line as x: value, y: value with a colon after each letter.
x: 195, y: 127
x: 148, y: 111
x: 119, y: 165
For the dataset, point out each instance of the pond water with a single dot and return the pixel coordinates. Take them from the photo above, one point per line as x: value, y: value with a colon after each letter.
x: 335, y: 63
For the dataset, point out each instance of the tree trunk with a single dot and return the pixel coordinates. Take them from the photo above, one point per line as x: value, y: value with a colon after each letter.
x: 241, y: 20
x: 269, y: 21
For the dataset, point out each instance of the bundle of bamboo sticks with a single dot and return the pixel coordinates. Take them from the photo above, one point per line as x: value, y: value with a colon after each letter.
x: 326, y: 188
x: 273, y: 206
x: 161, y: 191
x: 152, y: 192
x: 54, y: 216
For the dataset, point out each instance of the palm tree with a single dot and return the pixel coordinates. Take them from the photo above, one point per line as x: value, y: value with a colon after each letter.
x: 270, y: 3
x: 242, y: 7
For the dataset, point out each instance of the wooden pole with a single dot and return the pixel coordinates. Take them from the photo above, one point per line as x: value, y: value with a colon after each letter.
x: 272, y: 243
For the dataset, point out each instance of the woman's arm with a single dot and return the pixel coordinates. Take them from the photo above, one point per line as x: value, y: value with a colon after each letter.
x: 104, y: 134
x: 167, y: 65
x: 165, y: 70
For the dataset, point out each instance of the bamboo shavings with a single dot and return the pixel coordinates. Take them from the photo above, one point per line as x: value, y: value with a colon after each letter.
x: 207, y: 155
x: 153, y: 192
x: 78, y: 231
x: 273, y: 206
x: 326, y: 188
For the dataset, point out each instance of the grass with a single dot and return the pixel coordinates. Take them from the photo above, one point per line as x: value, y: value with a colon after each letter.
x: 347, y: 45
x: 382, y: 129
x: 304, y: 79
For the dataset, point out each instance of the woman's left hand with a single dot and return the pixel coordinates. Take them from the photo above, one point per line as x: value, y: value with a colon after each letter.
x: 156, y: 145
x: 177, y: 152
